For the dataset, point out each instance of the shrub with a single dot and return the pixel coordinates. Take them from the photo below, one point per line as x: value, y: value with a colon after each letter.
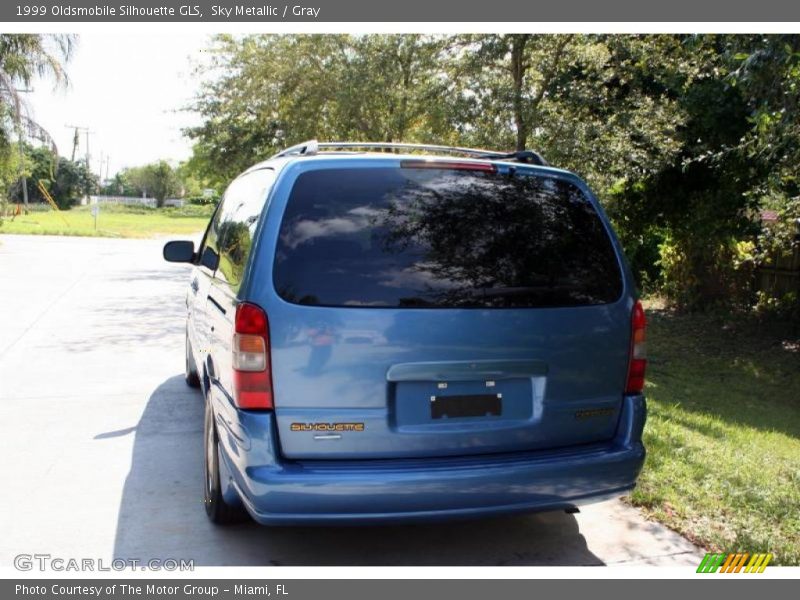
x: 777, y: 244
x: 698, y: 274
x: 201, y: 200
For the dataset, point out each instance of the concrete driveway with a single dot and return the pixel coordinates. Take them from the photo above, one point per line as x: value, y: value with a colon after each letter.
x: 103, y: 445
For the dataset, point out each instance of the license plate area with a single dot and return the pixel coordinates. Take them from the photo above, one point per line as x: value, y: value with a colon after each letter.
x: 466, y: 405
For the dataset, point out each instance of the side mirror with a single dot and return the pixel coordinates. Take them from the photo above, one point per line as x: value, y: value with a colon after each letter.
x: 210, y: 259
x: 179, y: 251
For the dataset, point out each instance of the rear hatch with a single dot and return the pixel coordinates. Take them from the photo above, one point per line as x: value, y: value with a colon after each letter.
x: 441, y: 308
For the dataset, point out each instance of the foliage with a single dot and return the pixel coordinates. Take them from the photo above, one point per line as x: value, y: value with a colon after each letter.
x: 683, y: 137
x: 565, y: 95
x: 601, y: 105
x: 266, y: 92
x: 605, y: 106
x: 65, y: 180
x: 720, y: 277
x: 159, y: 180
x: 723, y: 433
x: 120, y: 185
x: 156, y: 180
x: 195, y: 184
x: 777, y: 244
x: 9, y: 173
x: 707, y: 199
x: 23, y: 57
x: 766, y: 72
x: 781, y: 307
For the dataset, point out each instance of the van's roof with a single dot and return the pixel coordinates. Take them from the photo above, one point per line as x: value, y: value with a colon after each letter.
x: 335, y: 151
x: 278, y: 163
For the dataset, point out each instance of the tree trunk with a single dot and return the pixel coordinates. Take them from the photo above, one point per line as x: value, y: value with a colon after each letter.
x: 518, y: 69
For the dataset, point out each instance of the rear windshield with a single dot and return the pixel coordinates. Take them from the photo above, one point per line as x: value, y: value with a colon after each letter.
x: 422, y: 237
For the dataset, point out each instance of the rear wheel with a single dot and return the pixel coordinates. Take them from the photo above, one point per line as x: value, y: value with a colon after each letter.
x: 190, y: 372
x: 218, y: 510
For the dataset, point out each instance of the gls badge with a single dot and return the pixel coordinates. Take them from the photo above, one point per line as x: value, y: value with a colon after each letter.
x: 190, y: 11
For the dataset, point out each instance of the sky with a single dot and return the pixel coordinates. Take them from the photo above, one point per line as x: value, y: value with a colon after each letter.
x: 128, y: 89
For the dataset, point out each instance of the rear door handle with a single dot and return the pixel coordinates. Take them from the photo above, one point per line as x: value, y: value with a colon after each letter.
x: 194, y: 285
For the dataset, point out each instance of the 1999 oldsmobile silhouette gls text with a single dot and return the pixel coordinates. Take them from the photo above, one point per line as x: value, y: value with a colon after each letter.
x: 396, y: 337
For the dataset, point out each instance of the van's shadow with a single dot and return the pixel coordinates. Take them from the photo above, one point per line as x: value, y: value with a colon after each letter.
x: 161, y: 515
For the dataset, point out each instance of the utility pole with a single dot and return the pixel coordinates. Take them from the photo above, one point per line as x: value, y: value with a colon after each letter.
x: 87, y: 131
x: 81, y: 128
x: 75, y: 139
x: 105, y: 159
x: 22, y: 171
x: 87, y: 150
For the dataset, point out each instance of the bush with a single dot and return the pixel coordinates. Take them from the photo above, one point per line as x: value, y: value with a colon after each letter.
x: 783, y: 308
x: 201, y: 200
x: 188, y: 210
x: 697, y: 274
x: 643, y: 254
x: 777, y: 244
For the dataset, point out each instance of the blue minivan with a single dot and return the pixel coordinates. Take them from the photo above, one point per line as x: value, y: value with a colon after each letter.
x: 394, y: 332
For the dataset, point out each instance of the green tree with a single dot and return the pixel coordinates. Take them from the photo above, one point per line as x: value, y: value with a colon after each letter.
x: 701, y: 207
x: 767, y: 74
x: 274, y: 91
x: 683, y: 137
x: 67, y: 181
x: 503, y: 81
x: 604, y: 106
x: 23, y: 57
x: 157, y: 180
x: 120, y: 185
x: 195, y: 182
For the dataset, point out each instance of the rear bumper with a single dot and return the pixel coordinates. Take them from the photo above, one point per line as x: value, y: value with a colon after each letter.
x: 277, y: 492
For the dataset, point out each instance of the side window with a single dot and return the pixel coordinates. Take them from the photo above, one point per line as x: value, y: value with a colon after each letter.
x: 208, y: 245
x: 243, y: 203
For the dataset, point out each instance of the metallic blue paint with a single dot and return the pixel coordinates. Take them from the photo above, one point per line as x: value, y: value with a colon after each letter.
x: 583, y: 351
x: 277, y: 491
x: 383, y: 369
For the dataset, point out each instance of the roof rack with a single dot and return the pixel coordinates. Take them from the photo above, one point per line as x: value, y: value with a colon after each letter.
x: 312, y: 147
x: 308, y: 148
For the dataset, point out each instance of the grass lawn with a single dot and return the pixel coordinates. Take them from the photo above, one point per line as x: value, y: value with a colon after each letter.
x: 723, y: 433
x: 113, y: 221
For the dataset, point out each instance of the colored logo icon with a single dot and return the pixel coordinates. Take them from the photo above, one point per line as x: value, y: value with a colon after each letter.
x: 741, y: 562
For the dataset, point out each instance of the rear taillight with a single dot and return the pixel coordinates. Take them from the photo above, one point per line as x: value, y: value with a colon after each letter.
x: 638, y: 360
x: 252, y: 378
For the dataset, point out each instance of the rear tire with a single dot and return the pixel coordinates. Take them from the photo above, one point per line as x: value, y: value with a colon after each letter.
x: 191, y: 376
x: 218, y: 510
